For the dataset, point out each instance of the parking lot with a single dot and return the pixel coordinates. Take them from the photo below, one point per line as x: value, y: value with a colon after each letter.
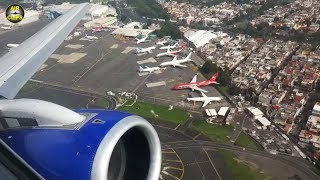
x: 108, y: 64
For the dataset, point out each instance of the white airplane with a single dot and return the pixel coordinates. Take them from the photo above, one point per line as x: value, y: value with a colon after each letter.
x: 143, y: 50
x: 175, y: 62
x: 170, y: 47
x: 12, y: 45
x: 169, y: 53
x: 205, y: 99
x: 144, y: 39
x: 148, y: 69
x: 6, y: 27
x: 91, y: 37
x: 162, y: 42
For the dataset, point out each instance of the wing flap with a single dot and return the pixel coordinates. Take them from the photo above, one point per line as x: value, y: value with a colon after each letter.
x: 17, y: 67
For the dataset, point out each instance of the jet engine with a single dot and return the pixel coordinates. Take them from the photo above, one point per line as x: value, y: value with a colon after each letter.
x: 96, y: 144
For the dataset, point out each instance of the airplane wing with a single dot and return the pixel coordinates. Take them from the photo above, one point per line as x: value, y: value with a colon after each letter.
x: 194, y: 79
x: 17, y: 67
x: 205, y: 103
x: 198, y: 89
x: 175, y: 58
x: 203, y: 95
x: 180, y: 65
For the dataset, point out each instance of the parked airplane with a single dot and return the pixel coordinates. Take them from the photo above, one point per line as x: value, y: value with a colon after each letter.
x: 205, y: 99
x: 6, y: 27
x: 170, y: 47
x: 194, y: 85
x: 43, y: 140
x: 143, y: 50
x: 143, y: 39
x: 12, y: 45
x: 162, y: 42
x: 169, y: 53
x: 97, y: 29
x: 175, y: 62
x: 91, y: 37
x: 148, y: 69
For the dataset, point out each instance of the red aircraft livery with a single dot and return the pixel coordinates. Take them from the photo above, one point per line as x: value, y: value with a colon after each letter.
x: 194, y: 85
x: 97, y: 29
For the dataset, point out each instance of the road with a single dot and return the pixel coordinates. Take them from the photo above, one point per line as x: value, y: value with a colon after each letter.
x: 297, y: 163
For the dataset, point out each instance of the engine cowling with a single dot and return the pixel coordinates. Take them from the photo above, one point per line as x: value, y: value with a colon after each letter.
x: 106, y: 145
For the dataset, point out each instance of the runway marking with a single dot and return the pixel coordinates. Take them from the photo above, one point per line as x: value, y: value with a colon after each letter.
x: 149, y: 60
x: 78, y: 77
x: 196, y: 136
x: 181, y: 164
x: 155, y: 84
x: 74, y: 46
x: 166, y: 173
x: 141, y: 83
x: 170, y: 160
x: 127, y: 50
x: 170, y: 167
x: 215, y: 169
x: 168, y: 152
x: 177, y: 127
x: 114, y: 46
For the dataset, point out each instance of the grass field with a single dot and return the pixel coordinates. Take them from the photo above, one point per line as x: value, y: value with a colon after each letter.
x: 102, y: 102
x: 155, y: 111
x: 215, y: 132
x: 242, y: 170
x: 245, y: 140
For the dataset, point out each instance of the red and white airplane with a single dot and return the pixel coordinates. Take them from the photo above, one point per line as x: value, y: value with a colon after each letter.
x: 97, y: 29
x: 194, y: 85
x: 170, y: 53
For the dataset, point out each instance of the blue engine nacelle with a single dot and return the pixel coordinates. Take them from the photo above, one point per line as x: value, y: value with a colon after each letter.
x: 104, y: 145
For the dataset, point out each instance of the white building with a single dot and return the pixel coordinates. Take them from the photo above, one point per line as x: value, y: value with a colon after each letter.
x: 255, y: 112
x: 199, y: 38
x: 223, y: 111
x: 264, y: 121
x: 211, y: 113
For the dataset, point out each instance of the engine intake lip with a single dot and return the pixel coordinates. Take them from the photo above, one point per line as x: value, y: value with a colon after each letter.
x: 104, y: 152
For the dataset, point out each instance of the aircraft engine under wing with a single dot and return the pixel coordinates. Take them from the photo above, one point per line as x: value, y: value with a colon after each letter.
x: 107, y: 145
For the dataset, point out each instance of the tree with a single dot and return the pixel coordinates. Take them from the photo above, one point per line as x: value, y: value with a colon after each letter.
x: 168, y: 29
x: 209, y: 68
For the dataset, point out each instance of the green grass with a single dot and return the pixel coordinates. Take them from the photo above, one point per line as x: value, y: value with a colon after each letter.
x: 215, y: 132
x: 102, y: 102
x: 246, y: 141
x: 241, y: 170
x: 29, y: 86
x: 144, y: 109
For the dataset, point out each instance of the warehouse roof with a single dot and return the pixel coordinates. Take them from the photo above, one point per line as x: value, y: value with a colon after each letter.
x: 200, y: 37
x: 223, y: 111
x: 255, y: 111
x: 211, y: 112
x: 264, y: 121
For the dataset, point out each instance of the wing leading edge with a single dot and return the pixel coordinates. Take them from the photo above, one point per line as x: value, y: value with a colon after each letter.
x: 17, y: 67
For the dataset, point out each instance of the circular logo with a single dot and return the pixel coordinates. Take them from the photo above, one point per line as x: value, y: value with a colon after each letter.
x: 14, y: 13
